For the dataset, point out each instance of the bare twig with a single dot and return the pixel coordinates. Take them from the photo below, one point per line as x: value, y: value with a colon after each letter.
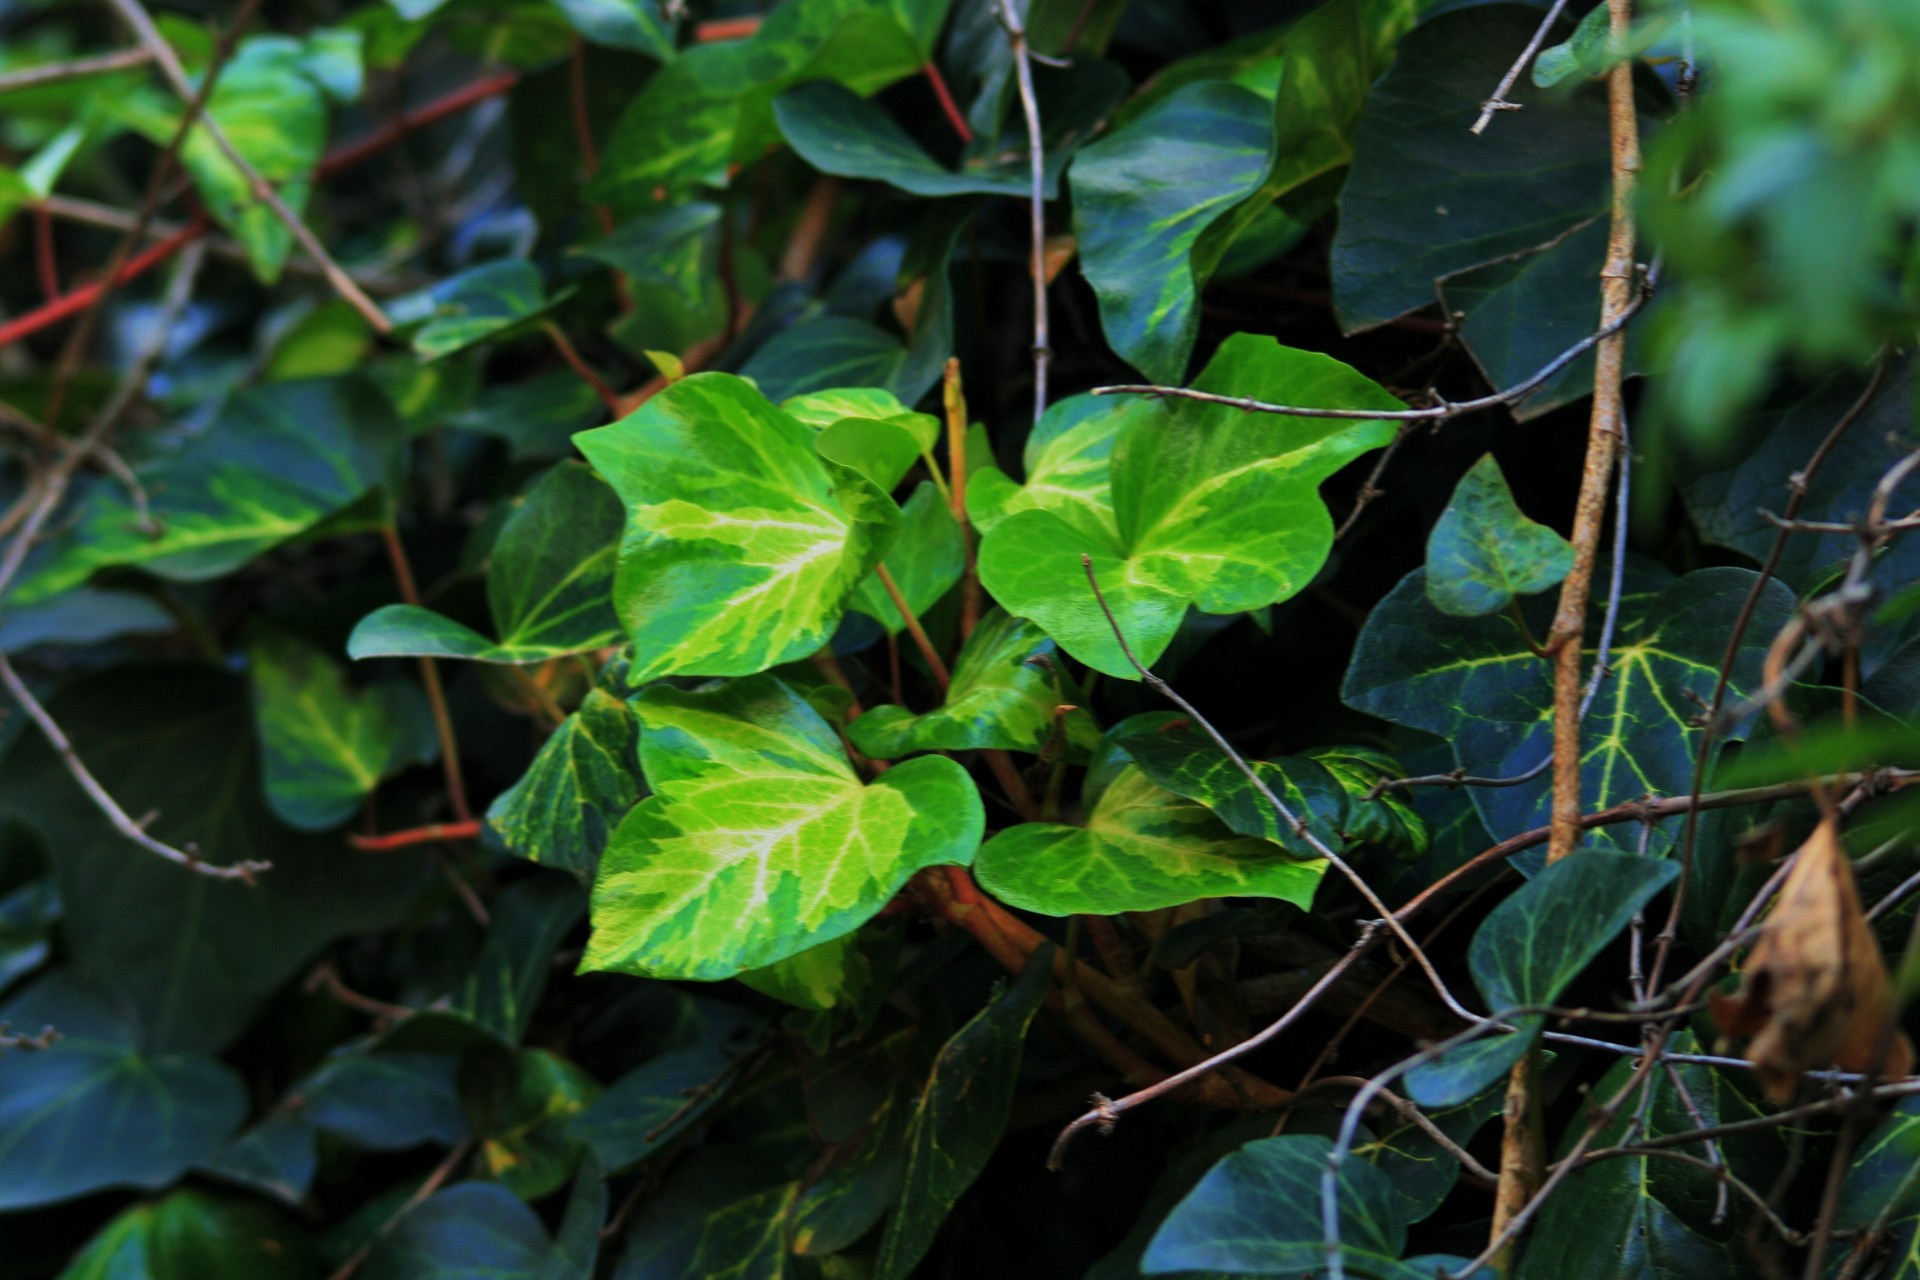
x: 1438, y: 411
x: 135, y: 15
x: 1498, y: 102
x: 74, y: 69
x: 188, y: 858
x: 435, y: 1180
x: 1037, y: 163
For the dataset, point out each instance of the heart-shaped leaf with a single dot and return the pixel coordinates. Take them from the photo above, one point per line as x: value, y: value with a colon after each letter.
x: 1475, y: 682
x: 1143, y: 848
x: 757, y: 565
x: 1212, y: 507
x: 1143, y: 196
x: 549, y: 583
x: 1006, y: 687
x: 759, y: 840
x: 324, y: 746
x: 1483, y: 550
x: 582, y: 783
x: 1068, y: 460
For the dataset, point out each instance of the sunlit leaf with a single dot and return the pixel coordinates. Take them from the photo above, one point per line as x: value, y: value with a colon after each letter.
x: 582, y: 783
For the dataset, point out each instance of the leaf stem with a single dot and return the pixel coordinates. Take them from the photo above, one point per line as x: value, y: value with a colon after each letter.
x: 914, y: 629
x: 433, y: 833
x: 430, y: 677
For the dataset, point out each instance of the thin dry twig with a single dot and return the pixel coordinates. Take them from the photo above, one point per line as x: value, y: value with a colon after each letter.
x: 74, y: 69
x: 1498, y: 102
x: 1023, y: 57
x: 1441, y: 408
x: 135, y: 15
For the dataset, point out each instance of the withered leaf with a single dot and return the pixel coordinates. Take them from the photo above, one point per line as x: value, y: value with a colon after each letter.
x: 1814, y: 992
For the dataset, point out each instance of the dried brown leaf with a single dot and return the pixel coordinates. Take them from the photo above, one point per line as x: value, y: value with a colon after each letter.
x: 1814, y: 992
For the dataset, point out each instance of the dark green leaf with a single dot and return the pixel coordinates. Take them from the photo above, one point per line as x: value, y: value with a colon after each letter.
x: 386, y: 1101
x: 1142, y: 197
x: 1142, y: 848
x: 472, y: 1230
x: 1426, y: 198
x: 325, y: 746
x: 85, y: 1115
x: 758, y: 819
x: 179, y: 742
x: 1258, y: 1211
x: 530, y: 1147
x: 538, y: 418
x: 855, y: 1192
x: 1421, y: 1171
x: 27, y: 917
x: 1474, y: 682
x: 275, y: 1157
x: 529, y: 921
x: 493, y: 300
x: 582, y: 783
x: 1483, y: 550
x: 549, y: 582
x: 638, y: 25
x: 1210, y: 507
x: 718, y: 1217
x: 762, y: 575
x: 1389, y: 819
x: 82, y: 615
x: 278, y: 460
x: 1883, y: 1188
x: 197, y: 1235
x: 1006, y: 685
x: 1180, y: 758
x: 958, y: 1120
x: 576, y: 1245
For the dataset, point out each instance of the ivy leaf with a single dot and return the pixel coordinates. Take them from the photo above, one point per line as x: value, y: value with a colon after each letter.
x: 530, y: 919
x: 529, y: 1148
x: 1176, y: 756
x: 276, y: 118
x: 537, y: 418
x: 585, y: 779
x: 639, y: 26
x: 1422, y: 1172
x: 1640, y: 1219
x: 867, y: 429
x: 386, y: 1100
x: 838, y: 131
x: 1475, y: 682
x: 716, y: 1217
x: 647, y: 1108
x: 493, y: 300
x: 83, y: 615
x: 197, y: 1235
x: 1068, y: 460
x: 85, y: 1115
x: 927, y: 558
x: 1530, y: 947
x: 756, y: 567
x: 1389, y: 819
x: 1476, y: 202
x: 1882, y: 1181
x: 1143, y: 848
x: 835, y: 1210
x: 277, y: 461
x: 473, y: 1229
x: 324, y: 746
x: 757, y: 817
x: 714, y: 103
x: 960, y: 1115
x: 1728, y: 498
x: 1213, y: 508
x: 1483, y: 550
x: 549, y: 584
x: 124, y: 908
x: 1006, y: 684
x: 1142, y: 198
x: 1258, y: 1211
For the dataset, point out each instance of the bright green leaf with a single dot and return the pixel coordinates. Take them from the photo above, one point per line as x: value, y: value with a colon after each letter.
x: 1006, y: 685
x: 759, y: 840
x: 1483, y: 550
x: 743, y: 546
x: 1142, y: 848
x: 549, y: 582
x: 1213, y: 508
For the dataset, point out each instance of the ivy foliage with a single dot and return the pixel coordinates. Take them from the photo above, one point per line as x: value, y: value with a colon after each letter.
x: 642, y: 639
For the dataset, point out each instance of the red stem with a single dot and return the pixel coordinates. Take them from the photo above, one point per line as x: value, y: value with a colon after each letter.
x: 352, y: 153
x: 947, y: 104
x: 437, y: 832
x: 72, y: 304
x: 43, y: 252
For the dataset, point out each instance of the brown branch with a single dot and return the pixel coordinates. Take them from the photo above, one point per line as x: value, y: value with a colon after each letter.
x: 430, y: 677
x: 569, y: 353
x: 928, y: 653
x: 73, y: 69
x: 1498, y: 102
x: 188, y: 859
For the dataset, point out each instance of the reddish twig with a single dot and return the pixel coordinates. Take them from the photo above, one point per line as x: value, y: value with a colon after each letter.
x: 43, y: 256
x: 71, y: 304
x: 948, y: 106
x: 431, y: 834
x: 608, y: 396
x: 347, y: 155
x: 430, y: 677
